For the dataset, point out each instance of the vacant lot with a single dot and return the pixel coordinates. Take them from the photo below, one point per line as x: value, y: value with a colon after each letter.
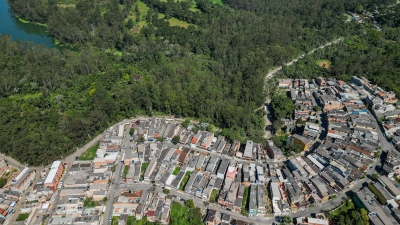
x: 22, y: 216
x: 90, y: 153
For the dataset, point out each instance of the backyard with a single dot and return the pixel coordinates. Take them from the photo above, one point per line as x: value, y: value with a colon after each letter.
x: 22, y: 216
x: 184, y: 180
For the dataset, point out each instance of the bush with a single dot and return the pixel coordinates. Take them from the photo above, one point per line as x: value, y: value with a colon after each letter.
x: 22, y: 216
x: 176, y: 139
x: 381, y: 198
x: 183, y: 215
x: 189, y: 203
x: 3, y: 182
x: 167, y: 191
x: 176, y: 170
x: 186, y: 123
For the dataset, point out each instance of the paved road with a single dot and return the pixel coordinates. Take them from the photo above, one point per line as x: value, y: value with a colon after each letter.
x: 21, y: 201
x: 12, y: 162
x: 197, y: 202
x: 383, y: 141
x: 219, y: 154
x: 112, y: 190
x: 70, y: 160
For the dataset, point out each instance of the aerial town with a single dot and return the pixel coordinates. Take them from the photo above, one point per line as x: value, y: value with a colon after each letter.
x: 138, y: 168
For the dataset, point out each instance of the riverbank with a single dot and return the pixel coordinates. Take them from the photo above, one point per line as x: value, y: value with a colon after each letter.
x: 26, y: 21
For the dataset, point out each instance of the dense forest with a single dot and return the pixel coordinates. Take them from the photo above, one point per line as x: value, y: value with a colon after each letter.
x: 187, y: 59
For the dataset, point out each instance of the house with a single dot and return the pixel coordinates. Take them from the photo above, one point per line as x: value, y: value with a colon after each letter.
x: 210, y: 220
x: 321, y: 188
x: 311, y: 221
x: 54, y: 175
x: 261, y: 204
x: 253, y: 207
x: 277, y: 208
x: 22, y: 181
x: 320, y: 81
x: 248, y: 151
x: 392, y: 189
x: 285, y: 83
x: 183, y: 155
x: 205, y: 144
x: 150, y: 168
x: 222, y: 168
x: 358, y: 81
x: 123, y: 219
x: 302, y: 142
x: 273, y: 151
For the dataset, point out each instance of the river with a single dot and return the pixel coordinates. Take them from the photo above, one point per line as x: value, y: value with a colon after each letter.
x: 25, y: 31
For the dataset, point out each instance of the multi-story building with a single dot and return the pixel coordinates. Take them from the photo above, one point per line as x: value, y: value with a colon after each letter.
x: 54, y: 175
x: 22, y: 181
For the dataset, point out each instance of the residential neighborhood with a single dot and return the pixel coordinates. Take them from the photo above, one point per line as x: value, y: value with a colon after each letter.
x: 139, y: 168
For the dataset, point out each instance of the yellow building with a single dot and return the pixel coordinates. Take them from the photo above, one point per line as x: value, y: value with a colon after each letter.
x: 302, y: 142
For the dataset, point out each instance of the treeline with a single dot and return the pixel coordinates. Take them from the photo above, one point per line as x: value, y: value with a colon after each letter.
x: 213, y: 70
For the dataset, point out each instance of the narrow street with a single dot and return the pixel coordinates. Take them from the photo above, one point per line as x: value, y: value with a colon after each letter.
x: 112, y: 190
x: 21, y: 201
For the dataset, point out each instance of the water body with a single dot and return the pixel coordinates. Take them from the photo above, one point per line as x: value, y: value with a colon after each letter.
x: 25, y: 31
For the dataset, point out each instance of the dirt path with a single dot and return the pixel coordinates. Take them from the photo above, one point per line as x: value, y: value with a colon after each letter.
x: 267, y: 134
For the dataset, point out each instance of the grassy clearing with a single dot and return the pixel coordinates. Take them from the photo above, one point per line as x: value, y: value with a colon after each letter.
x: 246, y: 193
x: 144, y: 167
x: 126, y: 170
x: 90, y: 152
x: 178, y: 23
x: 213, y: 196
x: 193, y: 8
x: 176, y: 170
x: 348, y: 205
x: 143, y: 8
x: 27, y: 96
x: 90, y: 203
x: 132, y: 221
x: 66, y: 5
x: 184, y: 180
x: 161, y: 16
x: 323, y: 63
x: 22, y: 216
x: 139, y: 26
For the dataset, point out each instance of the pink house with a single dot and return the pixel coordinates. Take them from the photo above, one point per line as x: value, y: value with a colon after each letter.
x: 231, y: 172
